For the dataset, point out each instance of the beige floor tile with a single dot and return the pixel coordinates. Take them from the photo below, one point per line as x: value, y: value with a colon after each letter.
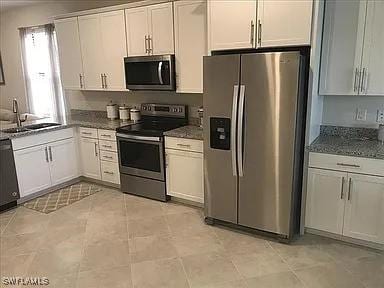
x: 151, y: 248
x: 108, y: 254
x: 20, y: 244
x: 279, y: 280
x: 259, y: 264
x: 177, y: 208
x: 187, y: 224
x: 236, y: 242
x: 68, y: 217
x: 56, y: 262
x: 328, y: 276
x: 119, y: 277
x: 231, y: 284
x: 197, y: 243
x: 64, y: 281
x: 370, y: 270
x: 299, y: 255
x: 346, y: 252
x: 27, y: 222
x: 148, y: 227
x: 64, y: 237
x: 208, y: 269
x: 167, y: 273
x: 143, y: 210
x: 97, y: 232
x: 15, y: 266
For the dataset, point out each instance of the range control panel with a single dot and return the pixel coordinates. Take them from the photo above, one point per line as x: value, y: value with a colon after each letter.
x: 167, y: 110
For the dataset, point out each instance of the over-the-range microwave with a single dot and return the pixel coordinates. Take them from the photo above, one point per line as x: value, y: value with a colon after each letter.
x: 150, y: 72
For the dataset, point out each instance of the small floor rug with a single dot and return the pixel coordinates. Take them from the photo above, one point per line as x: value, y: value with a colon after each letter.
x: 61, y: 198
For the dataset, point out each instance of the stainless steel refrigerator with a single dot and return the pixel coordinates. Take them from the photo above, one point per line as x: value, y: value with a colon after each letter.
x: 254, y: 107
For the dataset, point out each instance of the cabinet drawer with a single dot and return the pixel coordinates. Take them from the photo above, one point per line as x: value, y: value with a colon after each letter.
x: 88, y: 132
x: 184, y: 144
x: 347, y: 163
x: 108, y: 145
x: 110, y: 172
x: 107, y: 135
x: 108, y: 156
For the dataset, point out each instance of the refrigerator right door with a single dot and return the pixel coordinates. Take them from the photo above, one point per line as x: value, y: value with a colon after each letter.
x: 269, y: 90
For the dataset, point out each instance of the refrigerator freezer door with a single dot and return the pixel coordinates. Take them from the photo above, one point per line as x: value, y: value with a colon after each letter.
x: 221, y: 89
x: 271, y: 90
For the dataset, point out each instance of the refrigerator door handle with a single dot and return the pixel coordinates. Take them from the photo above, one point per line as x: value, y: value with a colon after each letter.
x: 233, y: 128
x: 240, y: 131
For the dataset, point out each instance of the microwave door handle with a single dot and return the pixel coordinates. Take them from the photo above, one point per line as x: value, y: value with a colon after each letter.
x: 159, y: 70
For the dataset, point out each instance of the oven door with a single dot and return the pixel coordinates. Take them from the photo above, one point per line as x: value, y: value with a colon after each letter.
x: 141, y: 156
x: 150, y: 72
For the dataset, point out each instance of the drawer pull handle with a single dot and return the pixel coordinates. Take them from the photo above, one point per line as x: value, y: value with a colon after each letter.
x: 184, y: 145
x: 108, y: 157
x: 348, y: 165
x: 105, y: 135
x: 349, y: 189
x: 86, y: 133
x: 108, y: 172
x: 107, y: 146
x: 342, y: 188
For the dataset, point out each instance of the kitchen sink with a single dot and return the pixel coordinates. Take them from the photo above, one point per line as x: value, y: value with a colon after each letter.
x: 30, y: 127
x: 41, y: 126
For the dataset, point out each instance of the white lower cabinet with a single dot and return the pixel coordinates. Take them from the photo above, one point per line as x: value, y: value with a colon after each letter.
x: 90, y: 161
x: 53, y: 161
x: 32, y: 168
x: 184, y: 170
x: 343, y: 202
x: 110, y: 172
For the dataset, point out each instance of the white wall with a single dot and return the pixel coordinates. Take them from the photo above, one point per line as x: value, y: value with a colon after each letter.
x: 31, y: 15
x: 341, y: 110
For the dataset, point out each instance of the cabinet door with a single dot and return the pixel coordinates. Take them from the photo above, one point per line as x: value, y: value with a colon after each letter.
x: 160, y: 19
x: 68, y: 41
x: 92, y: 51
x: 231, y: 24
x: 373, y: 56
x: 32, y: 168
x: 190, y: 45
x: 284, y: 23
x: 185, y: 175
x: 364, y: 211
x: 90, y: 158
x: 63, y: 161
x: 136, y: 21
x: 114, y: 46
x: 344, y: 24
x: 325, y: 200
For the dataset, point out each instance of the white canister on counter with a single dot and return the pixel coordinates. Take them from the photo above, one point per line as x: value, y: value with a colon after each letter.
x: 124, y: 113
x: 135, y: 115
x: 381, y: 133
x: 112, y: 111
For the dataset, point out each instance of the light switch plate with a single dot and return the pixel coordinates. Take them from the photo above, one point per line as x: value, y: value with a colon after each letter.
x: 361, y: 114
x: 380, y: 116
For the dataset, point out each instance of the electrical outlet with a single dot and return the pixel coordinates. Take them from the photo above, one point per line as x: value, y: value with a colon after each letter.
x: 361, y: 114
x: 380, y: 116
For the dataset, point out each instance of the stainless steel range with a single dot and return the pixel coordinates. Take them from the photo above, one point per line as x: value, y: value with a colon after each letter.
x: 141, y: 149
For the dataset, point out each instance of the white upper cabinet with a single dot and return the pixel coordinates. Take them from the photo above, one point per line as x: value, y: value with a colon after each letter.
x: 190, y: 44
x: 352, y: 61
x: 160, y: 20
x: 68, y: 40
x: 150, y: 30
x: 325, y: 200
x: 373, y: 54
x: 103, y: 48
x: 136, y: 20
x: 114, y: 48
x: 231, y: 24
x: 92, y: 51
x: 364, y: 211
x: 284, y: 23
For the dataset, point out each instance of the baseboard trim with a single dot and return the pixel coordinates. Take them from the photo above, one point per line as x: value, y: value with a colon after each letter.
x: 100, y: 182
x: 346, y: 239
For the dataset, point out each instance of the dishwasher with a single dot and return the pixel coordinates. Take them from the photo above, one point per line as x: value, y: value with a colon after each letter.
x: 9, y: 189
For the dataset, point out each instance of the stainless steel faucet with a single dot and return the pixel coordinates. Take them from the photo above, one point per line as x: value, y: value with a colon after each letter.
x: 17, y: 113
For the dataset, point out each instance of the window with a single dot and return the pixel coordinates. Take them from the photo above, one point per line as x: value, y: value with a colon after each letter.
x: 41, y: 71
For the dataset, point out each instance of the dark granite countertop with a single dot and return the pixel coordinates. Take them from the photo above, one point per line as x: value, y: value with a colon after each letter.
x: 90, y: 120
x: 188, y: 132
x: 355, y: 142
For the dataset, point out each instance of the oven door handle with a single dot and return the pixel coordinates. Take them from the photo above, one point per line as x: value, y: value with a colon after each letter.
x: 142, y: 138
x: 159, y: 72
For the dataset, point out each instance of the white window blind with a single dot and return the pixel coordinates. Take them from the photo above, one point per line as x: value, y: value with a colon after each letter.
x: 41, y: 71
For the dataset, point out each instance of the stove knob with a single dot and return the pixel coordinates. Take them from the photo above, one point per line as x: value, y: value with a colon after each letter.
x: 149, y: 108
x: 144, y: 107
x: 174, y: 109
x: 180, y: 109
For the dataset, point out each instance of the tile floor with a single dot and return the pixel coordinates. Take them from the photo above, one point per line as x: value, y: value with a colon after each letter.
x: 113, y: 240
